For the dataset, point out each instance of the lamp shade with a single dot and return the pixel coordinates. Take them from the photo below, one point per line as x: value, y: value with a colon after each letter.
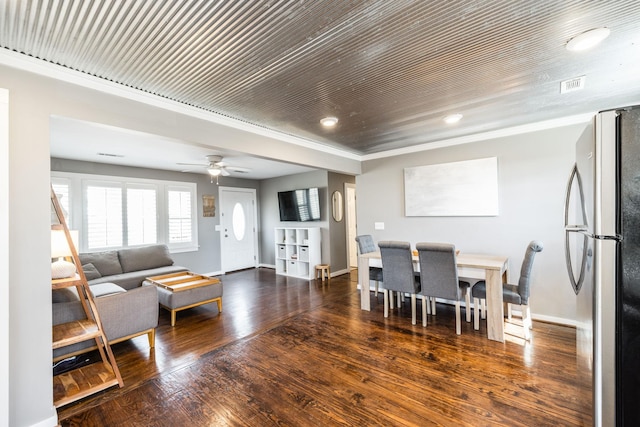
x: 60, y: 249
x: 59, y: 245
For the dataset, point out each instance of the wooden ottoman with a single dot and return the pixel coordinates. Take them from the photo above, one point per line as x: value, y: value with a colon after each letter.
x: 179, y: 291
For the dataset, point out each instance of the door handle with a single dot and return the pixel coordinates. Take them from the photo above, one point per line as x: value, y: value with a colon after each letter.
x: 576, y: 228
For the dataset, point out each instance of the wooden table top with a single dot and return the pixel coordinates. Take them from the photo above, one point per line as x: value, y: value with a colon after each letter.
x: 182, y: 281
x: 481, y: 261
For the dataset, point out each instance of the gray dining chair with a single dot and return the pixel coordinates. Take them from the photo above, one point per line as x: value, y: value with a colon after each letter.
x: 365, y: 246
x: 512, y: 294
x: 439, y: 277
x: 398, y: 272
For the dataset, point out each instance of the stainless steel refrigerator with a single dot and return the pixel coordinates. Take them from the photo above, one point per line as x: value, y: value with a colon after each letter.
x: 602, y: 230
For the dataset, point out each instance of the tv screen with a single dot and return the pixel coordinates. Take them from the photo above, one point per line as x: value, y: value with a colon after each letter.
x: 299, y: 205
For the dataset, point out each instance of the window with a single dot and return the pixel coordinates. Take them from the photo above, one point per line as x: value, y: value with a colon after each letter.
x: 141, y: 216
x: 114, y: 212
x: 180, y: 213
x: 103, y: 216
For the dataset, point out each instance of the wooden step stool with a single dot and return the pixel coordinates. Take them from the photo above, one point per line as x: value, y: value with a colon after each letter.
x: 322, y: 270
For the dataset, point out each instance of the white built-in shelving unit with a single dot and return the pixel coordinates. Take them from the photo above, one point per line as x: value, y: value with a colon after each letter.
x: 297, y: 251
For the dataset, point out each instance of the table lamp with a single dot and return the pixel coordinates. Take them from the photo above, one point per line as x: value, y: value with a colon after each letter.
x: 61, y: 268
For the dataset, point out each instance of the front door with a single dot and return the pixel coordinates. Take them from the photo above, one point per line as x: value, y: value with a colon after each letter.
x: 238, y: 228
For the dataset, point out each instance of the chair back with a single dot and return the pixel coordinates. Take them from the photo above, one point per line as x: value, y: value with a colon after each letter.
x: 524, y: 284
x: 438, y: 270
x: 397, y: 267
x: 366, y: 243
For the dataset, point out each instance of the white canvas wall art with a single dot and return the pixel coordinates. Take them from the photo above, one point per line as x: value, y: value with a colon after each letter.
x: 466, y: 188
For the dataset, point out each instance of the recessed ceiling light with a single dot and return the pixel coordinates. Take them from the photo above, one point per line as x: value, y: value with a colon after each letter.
x: 588, y: 39
x: 453, y: 118
x: 329, y: 122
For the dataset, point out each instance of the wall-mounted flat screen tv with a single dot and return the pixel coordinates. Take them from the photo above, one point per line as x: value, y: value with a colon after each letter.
x: 299, y: 205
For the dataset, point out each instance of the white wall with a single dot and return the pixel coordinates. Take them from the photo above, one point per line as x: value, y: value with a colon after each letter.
x: 30, y: 378
x: 4, y: 258
x: 533, y: 169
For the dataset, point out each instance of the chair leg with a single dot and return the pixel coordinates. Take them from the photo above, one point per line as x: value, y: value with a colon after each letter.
x: 509, y: 314
x: 386, y: 302
x: 413, y: 309
x: 375, y: 287
x: 428, y: 304
x: 400, y: 298
x: 391, y: 300
x: 425, y: 303
x: 484, y: 308
x: 458, y: 327
x: 526, y: 321
x: 476, y: 317
x: 467, y: 301
x: 433, y: 306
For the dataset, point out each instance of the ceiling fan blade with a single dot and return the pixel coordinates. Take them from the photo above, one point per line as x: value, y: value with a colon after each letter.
x: 224, y: 172
x: 238, y: 169
x: 192, y: 164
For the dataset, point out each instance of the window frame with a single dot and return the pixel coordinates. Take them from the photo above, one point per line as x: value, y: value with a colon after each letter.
x: 78, y: 182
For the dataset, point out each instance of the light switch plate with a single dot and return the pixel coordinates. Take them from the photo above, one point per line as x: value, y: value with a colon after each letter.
x: 378, y: 225
x: 218, y: 227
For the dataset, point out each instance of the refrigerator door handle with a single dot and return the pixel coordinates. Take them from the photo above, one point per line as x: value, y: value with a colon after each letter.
x: 575, y: 177
x: 576, y: 283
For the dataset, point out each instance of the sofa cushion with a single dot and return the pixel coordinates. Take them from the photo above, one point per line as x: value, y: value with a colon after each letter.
x: 90, y: 271
x: 104, y: 289
x: 134, y: 279
x: 107, y: 263
x: 144, y: 258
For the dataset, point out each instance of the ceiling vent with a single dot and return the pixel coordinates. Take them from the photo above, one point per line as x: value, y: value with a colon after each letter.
x: 110, y: 155
x: 572, y: 85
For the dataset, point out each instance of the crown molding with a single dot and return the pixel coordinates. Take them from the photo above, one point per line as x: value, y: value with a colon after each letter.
x: 500, y: 133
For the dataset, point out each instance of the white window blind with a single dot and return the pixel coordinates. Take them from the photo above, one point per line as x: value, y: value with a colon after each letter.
x: 61, y: 189
x: 104, y: 216
x: 116, y: 212
x: 180, y: 216
x: 141, y: 216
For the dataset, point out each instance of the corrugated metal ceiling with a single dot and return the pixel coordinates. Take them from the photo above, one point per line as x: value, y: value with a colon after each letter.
x: 389, y: 70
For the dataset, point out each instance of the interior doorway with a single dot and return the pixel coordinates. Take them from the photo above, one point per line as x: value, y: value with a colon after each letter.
x: 238, y: 228
x: 351, y: 223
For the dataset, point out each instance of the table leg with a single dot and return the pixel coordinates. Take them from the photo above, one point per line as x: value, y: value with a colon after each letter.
x: 363, y: 279
x: 495, y: 309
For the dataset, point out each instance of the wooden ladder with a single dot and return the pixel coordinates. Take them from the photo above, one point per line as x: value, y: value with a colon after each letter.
x: 89, y: 379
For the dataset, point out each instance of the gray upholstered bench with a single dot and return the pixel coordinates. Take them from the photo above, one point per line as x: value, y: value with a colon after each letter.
x: 180, y: 291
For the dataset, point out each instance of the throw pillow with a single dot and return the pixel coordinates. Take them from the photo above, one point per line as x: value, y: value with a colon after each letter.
x: 91, y: 272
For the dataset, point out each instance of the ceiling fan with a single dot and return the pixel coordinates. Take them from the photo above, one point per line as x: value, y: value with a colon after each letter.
x: 216, y: 166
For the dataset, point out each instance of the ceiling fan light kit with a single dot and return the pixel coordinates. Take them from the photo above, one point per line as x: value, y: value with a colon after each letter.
x: 216, y: 167
x: 214, y: 171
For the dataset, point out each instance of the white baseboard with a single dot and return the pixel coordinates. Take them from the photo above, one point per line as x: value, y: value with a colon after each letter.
x: 213, y: 273
x: 271, y: 266
x: 340, y: 272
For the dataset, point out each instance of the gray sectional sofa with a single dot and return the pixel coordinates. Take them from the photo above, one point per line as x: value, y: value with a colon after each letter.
x: 126, y: 307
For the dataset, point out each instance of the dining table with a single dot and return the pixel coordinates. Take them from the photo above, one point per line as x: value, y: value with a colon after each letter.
x: 492, y: 268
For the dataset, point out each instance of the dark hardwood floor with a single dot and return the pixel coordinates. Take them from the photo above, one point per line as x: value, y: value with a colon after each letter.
x: 295, y: 353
